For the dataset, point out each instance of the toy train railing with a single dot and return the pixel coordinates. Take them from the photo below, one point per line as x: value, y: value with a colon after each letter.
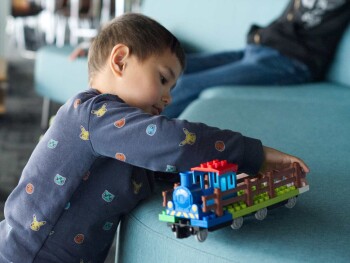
x: 252, y: 187
x: 167, y: 195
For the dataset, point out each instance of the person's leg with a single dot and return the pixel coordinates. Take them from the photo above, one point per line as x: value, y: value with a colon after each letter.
x: 258, y: 67
x: 202, y: 61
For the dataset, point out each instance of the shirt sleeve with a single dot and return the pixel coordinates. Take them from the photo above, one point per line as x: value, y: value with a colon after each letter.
x: 119, y: 131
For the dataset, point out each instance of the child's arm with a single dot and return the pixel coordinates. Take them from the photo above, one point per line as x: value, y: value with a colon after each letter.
x: 119, y: 131
x: 276, y: 160
x: 159, y: 144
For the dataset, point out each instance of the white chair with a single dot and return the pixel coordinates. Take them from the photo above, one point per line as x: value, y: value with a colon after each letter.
x: 81, y: 25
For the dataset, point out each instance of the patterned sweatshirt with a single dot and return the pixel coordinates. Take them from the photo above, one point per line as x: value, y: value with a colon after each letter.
x: 94, y: 165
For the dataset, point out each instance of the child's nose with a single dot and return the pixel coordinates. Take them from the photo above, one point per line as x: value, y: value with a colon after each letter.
x: 167, y: 99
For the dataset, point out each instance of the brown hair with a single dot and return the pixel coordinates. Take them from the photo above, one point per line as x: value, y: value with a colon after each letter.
x: 143, y: 35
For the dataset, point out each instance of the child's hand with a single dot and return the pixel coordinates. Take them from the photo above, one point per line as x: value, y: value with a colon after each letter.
x: 276, y: 160
x: 80, y: 51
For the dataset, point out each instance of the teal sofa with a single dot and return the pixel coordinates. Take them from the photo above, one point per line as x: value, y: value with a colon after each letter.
x: 311, y: 121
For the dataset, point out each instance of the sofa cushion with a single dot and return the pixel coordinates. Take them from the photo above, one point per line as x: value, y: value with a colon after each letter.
x: 58, y: 78
x: 316, y: 230
x: 325, y: 92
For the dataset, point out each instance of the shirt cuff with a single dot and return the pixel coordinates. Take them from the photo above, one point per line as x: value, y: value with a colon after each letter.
x: 253, y: 156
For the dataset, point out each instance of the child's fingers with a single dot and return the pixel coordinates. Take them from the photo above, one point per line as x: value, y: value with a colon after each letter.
x: 303, y: 165
x: 77, y: 53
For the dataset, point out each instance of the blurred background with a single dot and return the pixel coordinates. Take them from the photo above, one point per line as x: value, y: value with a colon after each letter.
x: 25, y: 27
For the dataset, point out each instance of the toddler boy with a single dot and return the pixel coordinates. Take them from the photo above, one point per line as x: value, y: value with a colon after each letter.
x: 95, y: 162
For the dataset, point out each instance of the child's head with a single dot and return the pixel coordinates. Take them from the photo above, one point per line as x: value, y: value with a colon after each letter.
x: 143, y: 35
x: 136, y: 50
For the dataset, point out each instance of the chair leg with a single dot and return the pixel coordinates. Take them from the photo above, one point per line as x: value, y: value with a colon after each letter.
x: 20, y: 33
x: 61, y: 31
x: 45, y: 113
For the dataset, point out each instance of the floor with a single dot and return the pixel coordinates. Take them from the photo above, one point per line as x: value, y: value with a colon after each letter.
x: 20, y: 127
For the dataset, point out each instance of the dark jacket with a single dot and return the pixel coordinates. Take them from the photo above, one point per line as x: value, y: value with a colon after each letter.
x: 308, y: 31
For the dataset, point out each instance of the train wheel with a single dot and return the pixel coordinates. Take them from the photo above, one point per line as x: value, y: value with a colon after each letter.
x: 237, y: 223
x: 291, y: 202
x: 261, y: 214
x: 201, y: 235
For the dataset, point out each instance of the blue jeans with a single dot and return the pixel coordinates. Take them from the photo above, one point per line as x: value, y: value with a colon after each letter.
x: 255, y: 65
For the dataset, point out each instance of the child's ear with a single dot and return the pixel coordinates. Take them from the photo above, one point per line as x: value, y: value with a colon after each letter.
x: 119, y: 54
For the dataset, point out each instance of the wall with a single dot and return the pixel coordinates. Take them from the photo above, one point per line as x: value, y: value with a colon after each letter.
x: 4, y: 11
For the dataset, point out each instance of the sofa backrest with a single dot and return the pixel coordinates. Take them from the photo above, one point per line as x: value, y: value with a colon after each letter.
x: 212, y: 25
x: 339, y: 71
x: 58, y: 78
x: 209, y: 25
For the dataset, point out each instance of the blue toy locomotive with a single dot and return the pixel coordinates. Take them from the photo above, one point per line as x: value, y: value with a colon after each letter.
x: 213, y: 196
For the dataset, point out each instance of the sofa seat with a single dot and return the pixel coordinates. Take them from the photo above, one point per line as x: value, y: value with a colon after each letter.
x: 334, y: 89
x: 315, y: 230
x: 323, y: 92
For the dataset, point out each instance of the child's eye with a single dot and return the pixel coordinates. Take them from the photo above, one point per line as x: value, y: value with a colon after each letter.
x: 163, y: 80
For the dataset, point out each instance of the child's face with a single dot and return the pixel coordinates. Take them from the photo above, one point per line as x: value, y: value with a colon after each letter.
x: 147, y: 84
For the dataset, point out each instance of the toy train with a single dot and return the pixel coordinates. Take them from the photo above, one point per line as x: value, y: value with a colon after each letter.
x: 213, y: 196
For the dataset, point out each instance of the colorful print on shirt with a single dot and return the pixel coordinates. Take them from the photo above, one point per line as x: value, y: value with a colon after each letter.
x: 101, y: 111
x: 84, y: 135
x: 190, y: 138
x: 120, y: 123
x: 220, y: 146
x: 151, y: 129
x: 120, y: 157
x: 108, y: 196
x: 137, y: 186
x: 36, y: 225
x: 52, y: 144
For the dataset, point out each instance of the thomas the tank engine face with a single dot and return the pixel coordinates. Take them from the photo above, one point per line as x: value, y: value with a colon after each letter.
x: 183, y: 198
